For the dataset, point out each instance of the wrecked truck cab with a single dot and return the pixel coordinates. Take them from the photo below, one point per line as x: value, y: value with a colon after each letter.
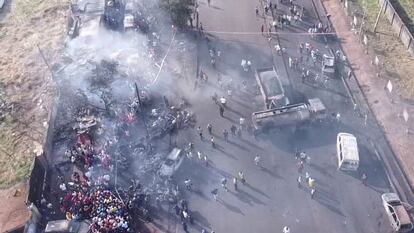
x: 68, y: 226
x: 172, y: 162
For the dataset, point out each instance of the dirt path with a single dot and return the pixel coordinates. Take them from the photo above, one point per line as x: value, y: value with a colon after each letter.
x: 388, y: 111
x: 13, y: 211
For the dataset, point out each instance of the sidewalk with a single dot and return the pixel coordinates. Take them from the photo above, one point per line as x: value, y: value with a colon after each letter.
x: 387, y: 111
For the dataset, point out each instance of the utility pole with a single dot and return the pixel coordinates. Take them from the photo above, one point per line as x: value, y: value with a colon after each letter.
x: 378, y: 16
x: 140, y: 105
x: 45, y: 61
x: 137, y: 93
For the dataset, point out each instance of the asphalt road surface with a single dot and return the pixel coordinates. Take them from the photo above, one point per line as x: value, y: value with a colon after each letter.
x: 271, y: 198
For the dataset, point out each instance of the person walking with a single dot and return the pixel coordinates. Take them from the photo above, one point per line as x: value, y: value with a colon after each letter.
x: 241, y: 176
x: 213, y: 144
x: 364, y: 179
x: 257, y: 160
x: 205, y: 160
x: 262, y: 29
x: 224, y: 184
x: 300, y: 166
x: 307, y: 177
x: 286, y: 229
x: 210, y: 128
x: 257, y: 11
x: 200, y: 156
x: 311, y: 183
x: 215, y: 193
x: 177, y: 210
x: 200, y: 132
x: 221, y: 110
x: 235, y: 183
x: 208, y: 2
x: 239, y: 132
x: 184, y: 226
x: 187, y: 184
x: 226, y: 135
x: 299, y: 181
x: 233, y: 129
x: 312, y: 193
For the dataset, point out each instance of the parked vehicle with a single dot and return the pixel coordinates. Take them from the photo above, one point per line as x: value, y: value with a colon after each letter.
x: 347, y: 152
x: 396, y: 212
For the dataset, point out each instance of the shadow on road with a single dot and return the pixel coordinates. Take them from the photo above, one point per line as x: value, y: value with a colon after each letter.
x: 272, y: 173
x: 256, y: 190
x: 231, y: 207
x: 246, y: 197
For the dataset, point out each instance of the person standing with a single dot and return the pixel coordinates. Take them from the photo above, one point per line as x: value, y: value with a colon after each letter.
x: 205, y: 160
x: 299, y: 181
x: 235, y: 183
x: 364, y: 179
x: 210, y: 128
x: 241, y: 176
x: 224, y: 184
x: 257, y: 160
x: 208, y: 2
x: 215, y: 193
x: 200, y: 132
x: 312, y: 193
x: 233, y: 130
x: 221, y: 110
x: 262, y: 29
x: 191, y: 146
x: 286, y: 229
x: 184, y: 226
x: 226, y: 135
x: 187, y: 184
x: 307, y: 177
x: 300, y: 166
x: 257, y: 11
x: 213, y: 144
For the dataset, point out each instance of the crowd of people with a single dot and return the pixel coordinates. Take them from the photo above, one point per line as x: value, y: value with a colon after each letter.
x: 107, y: 212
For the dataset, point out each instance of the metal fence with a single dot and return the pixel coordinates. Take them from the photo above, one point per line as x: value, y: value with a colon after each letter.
x: 398, y: 25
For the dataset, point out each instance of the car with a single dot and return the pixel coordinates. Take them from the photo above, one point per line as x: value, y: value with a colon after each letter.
x: 68, y: 226
x: 172, y: 162
x: 396, y: 212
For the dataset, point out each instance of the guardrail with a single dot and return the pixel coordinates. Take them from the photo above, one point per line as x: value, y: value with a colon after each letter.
x: 398, y: 25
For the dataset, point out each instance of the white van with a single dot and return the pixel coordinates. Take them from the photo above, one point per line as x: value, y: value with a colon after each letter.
x: 172, y: 163
x: 347, y: 152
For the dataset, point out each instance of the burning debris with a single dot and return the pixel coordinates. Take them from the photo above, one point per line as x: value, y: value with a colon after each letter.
x: 103, y: 74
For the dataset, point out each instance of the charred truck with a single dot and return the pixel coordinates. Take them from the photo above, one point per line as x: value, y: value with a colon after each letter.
x: 279, y: 112
x: 113, y: 15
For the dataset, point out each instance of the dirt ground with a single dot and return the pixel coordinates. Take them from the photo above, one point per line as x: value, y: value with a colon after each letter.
x: 395, y: 66
x: 13, y: 210
x: 396, y: 62
x: 26, y: 86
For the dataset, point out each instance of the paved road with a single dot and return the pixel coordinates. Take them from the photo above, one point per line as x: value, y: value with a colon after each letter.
x: 271, y: 198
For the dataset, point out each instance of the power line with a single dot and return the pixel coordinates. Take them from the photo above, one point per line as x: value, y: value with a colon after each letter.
x: 273, y: 33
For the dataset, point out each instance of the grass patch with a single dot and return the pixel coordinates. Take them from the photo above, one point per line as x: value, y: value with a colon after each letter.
x: 396, y: 62
x: 14, y: 164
